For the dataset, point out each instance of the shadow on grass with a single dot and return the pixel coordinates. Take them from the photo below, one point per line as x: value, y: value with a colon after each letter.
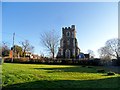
x: 83, y: 69
x: 109, y: 83
x: 115, y: 69
x: 80, y: 69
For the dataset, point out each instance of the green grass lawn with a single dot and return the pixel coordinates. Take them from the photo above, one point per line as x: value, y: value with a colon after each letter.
x: 55, y: 76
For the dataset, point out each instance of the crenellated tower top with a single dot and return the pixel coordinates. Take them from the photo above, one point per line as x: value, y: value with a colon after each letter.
x: 69, y: 28
x: 69, y: 32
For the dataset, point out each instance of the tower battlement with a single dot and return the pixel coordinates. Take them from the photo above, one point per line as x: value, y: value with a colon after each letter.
x: 69, y: 28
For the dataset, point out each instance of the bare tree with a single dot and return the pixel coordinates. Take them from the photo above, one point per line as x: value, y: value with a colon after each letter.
x: 41, y: 54
x: 104, y: 54
x: 91, y: 53
x: 50, y: 41
x: 111, y: 48
x: 27, y: 47
x: 5, y: 49
x: 114, y: 47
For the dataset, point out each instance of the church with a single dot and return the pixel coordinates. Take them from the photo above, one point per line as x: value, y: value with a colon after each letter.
x: 68, y: 43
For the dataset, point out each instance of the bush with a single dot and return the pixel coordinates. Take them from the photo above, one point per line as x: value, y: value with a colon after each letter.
x: 17, y: 60
x: 83, y: 66
x: 35, y: 60
x: 116, y: 62
x: 100, y: 70
x: 110, y: 73
x: 94, y: 62
x: 7, y: 59
x: 46, y: 60
x: 90, y: 67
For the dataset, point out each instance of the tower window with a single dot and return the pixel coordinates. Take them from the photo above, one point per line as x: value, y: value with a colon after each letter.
x: 72, y: 34
x: 67, y: 53
x: 73, y: 42
x: 68, y: 34
x: 68, y: 42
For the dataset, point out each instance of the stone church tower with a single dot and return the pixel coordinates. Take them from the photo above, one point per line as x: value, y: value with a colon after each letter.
x: 68, y: 43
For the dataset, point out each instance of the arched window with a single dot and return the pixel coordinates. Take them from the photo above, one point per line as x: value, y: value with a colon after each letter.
x: 67, y: 53
x: 68, y: 34
x: 72, y: 34
x: 73, y: 51
x: 61, y: 51
x: 73, y: 42
x: 68, y: 42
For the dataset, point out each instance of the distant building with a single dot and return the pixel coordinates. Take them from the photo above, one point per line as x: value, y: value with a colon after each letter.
x: 87, y: 56
x: 68, y: 43
x: 32, y: 56
x: 83, y: 56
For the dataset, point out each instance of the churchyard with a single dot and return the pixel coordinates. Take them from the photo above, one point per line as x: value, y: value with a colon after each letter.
x: 43, y: 76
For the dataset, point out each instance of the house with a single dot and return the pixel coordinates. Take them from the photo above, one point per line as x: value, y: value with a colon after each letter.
x: 36, y: 56
x: 83, y: 56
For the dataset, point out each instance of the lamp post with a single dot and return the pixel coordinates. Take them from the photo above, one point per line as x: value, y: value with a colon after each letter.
x: 13, y: 47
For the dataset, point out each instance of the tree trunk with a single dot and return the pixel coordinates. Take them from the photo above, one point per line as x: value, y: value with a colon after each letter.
x: 117, y: 56
x: 53, y: 55
x: 24, y: 53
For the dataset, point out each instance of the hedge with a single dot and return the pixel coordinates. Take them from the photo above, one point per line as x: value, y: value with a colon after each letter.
x: 94, y: 62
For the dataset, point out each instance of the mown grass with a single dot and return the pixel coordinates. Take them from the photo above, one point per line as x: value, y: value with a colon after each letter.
x: 55, y: 76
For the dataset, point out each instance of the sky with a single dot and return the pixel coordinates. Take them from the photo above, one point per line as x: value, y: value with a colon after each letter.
x: 95, y: 22
x: 59, y: 0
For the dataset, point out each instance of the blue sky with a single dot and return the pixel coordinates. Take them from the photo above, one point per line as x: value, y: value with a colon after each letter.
x: 95, y: 22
